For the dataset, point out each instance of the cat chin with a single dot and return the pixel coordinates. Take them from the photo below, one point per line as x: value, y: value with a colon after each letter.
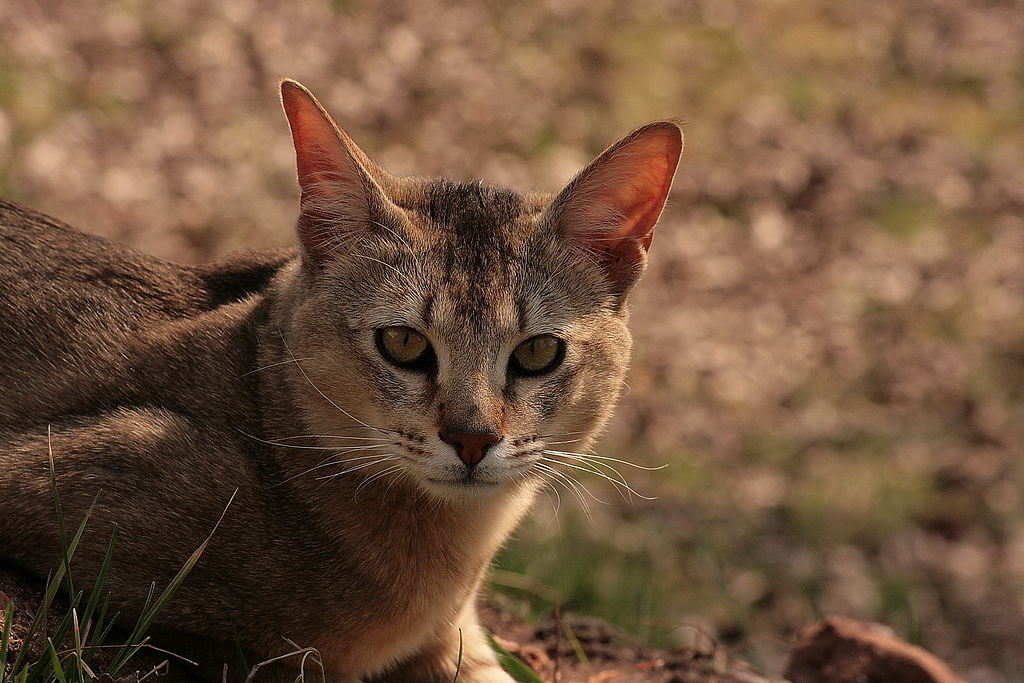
x: 463, y: 490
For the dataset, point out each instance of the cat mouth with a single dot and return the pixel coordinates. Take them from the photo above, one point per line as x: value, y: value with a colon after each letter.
x: 464, y: 483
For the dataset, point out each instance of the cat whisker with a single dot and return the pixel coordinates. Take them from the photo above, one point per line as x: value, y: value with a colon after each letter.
x: 401, y: 239
x: 362, y: 426
x: 581, y: 465
x: 593, y: 467
x: 575, y: 485
x: 378, y: 475
x: 550, y: 487
x: 333, y: 243
x: 352, y: 449
x: 375, y: 260
x: 329, y: 436
x: 326, y: 397
x: 272, y: 365
x: 384, y: 495
x: 360, y: 466
x: 549, y: 481
x: 337, y: 449
x: 571, y: 484
x: 598, y: 464
x: 313, y: 448
x: 591, y: 456
x: 556, y: 506
x: 329, y: 462
x: 561, y: 434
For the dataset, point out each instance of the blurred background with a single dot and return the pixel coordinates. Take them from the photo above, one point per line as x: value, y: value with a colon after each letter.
x: 829, y: 341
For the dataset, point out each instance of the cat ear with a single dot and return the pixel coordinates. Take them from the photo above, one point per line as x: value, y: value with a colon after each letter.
x: 611, y: 206
x: 339, y: 194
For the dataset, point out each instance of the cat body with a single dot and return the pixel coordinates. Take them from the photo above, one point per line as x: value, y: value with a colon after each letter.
x: 376, y: 405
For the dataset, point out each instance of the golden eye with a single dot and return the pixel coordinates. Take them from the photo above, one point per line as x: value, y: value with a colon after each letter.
x: 403, y: 346
x: 538, y: 355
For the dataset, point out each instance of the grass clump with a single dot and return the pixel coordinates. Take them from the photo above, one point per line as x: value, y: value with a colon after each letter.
x: 86, y: 628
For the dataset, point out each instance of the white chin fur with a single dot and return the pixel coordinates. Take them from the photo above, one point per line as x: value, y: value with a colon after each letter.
x: 462, y: 490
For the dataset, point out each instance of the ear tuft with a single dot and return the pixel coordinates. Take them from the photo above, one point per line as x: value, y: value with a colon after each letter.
x: 611, y: 207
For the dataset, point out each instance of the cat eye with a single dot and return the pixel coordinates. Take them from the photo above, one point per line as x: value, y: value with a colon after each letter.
x: 538, y: 355
x: 404, y: 347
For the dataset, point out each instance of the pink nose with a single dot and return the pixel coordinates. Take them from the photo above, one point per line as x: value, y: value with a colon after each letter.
x: 470, y: 446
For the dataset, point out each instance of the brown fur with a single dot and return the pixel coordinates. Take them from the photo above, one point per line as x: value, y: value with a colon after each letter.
x: 166, y: 388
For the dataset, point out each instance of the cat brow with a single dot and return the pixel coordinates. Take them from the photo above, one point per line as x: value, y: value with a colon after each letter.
x: 428, y: 310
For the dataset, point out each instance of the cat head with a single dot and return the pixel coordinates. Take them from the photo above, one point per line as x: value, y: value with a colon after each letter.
x: 467, y: 333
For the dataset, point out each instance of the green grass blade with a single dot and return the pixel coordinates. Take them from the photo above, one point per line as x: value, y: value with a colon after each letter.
x: 239, y: 650
x: 39, y: 671
x: 130, y: 647
x: 575, y: 643
x: 103, y: 628
x: 149, y: 615
x: 147, y: 602
x: 512, y: 665
x: 52, y: 586
x: 61, y: 535
x: 76, y: 632
x: 126, y: 653
x: 107, y: 627
x: 96, y: 627
x: 5, y: 639
x: 58, y: 671
x: 65, y: 626
x: 101, y: 579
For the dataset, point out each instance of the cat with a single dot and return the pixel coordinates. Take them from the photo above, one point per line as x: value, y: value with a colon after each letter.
x: 379, y: 401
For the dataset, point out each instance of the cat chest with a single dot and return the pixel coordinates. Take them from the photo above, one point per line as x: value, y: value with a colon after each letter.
x: 402, y: 612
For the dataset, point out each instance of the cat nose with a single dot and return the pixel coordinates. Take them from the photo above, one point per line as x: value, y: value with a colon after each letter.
x: 470, y: 446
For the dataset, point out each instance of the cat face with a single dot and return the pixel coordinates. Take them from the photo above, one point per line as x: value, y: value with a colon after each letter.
x: 471, y: 332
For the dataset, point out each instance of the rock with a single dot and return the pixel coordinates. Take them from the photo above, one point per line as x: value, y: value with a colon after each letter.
x: 842, y: 650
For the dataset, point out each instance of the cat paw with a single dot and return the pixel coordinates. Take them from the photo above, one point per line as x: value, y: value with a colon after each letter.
x: 490, y: 674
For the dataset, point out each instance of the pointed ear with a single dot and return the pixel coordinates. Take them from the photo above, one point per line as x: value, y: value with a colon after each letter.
x: 611, y: 206
x: 339, y: 195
